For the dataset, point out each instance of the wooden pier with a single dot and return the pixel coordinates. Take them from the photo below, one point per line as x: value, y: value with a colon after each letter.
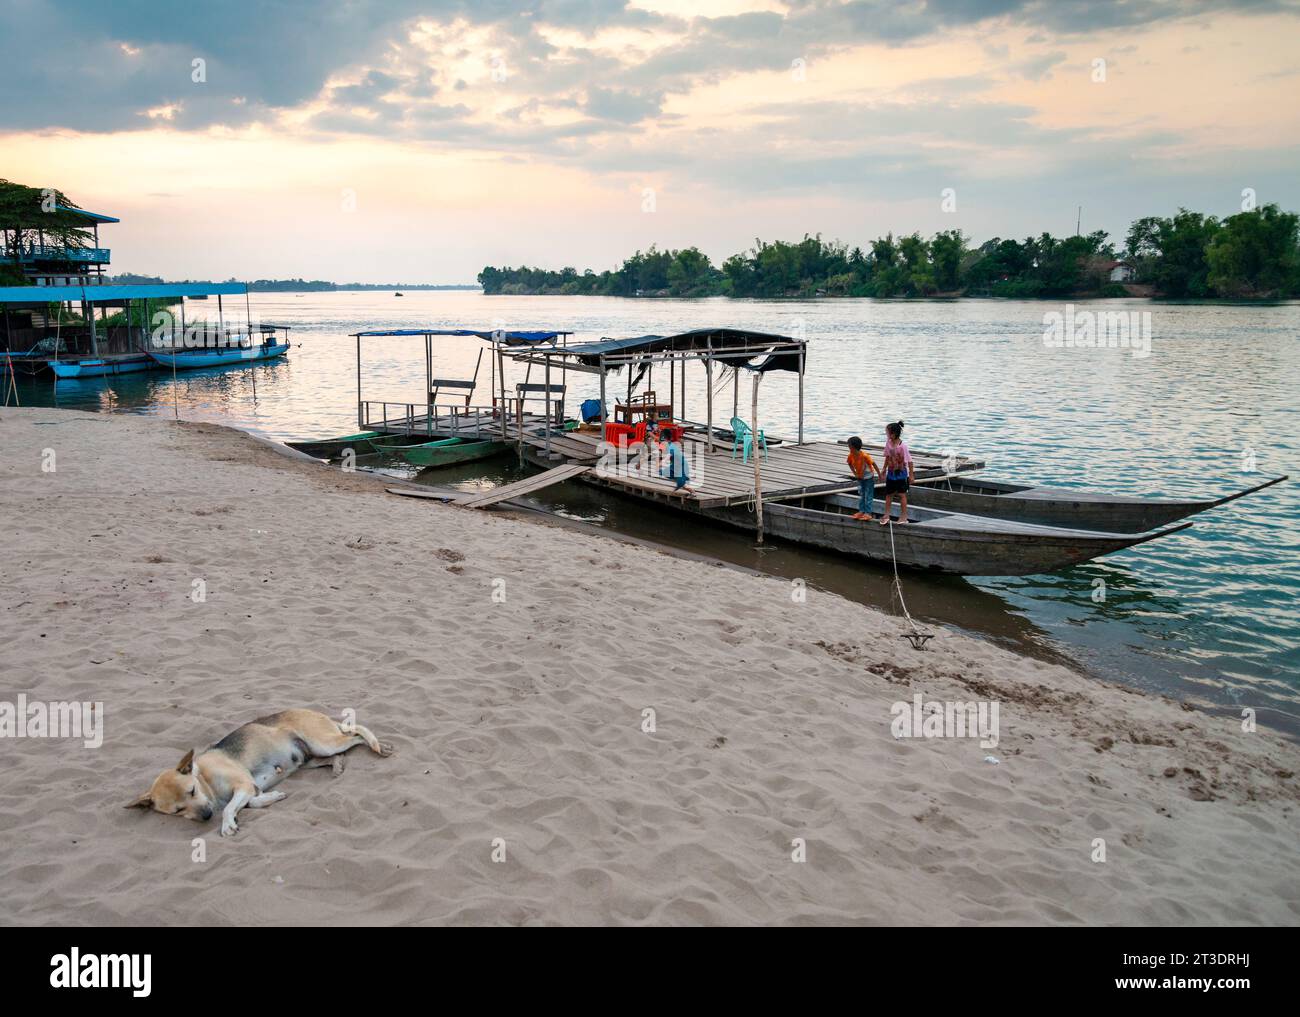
x: 788, y: 471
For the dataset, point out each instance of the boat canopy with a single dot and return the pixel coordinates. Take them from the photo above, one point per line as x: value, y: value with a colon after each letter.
x: 114, y: 294
x: 766, y: 352
x: 509, y: 338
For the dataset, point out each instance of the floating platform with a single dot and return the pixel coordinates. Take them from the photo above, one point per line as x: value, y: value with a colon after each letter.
x: 718, y: 480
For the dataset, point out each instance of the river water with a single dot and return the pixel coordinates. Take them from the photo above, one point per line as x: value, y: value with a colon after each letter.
x: 1212, y: 610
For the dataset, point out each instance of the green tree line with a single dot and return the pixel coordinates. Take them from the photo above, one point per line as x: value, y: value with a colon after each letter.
x: 1250, y: 255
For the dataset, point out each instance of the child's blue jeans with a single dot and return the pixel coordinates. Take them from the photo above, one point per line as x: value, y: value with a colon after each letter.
x: 866, y: 493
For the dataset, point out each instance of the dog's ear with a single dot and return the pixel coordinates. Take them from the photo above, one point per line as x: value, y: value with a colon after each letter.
x: 145, y: 801
x: 184, y: 765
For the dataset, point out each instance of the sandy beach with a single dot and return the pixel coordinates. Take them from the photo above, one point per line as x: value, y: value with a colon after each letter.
x: 511, y: 663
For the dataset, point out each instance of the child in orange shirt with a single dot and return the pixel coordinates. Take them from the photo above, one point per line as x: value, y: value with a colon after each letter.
x: 865, y: 471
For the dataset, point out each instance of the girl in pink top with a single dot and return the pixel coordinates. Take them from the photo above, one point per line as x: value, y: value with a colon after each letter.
x: 898, y: 471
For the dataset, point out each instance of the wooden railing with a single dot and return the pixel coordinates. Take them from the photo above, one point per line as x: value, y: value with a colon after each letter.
x: 47, y: 252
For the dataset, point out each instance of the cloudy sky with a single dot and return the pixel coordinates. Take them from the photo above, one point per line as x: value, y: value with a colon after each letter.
x: 381, y: 140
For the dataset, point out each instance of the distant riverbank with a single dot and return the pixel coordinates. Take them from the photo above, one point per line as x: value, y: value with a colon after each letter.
x: 1254, y: 255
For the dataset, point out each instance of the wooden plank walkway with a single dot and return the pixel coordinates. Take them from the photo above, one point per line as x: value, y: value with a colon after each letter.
x: 788, y: 470
x: 526, y: 486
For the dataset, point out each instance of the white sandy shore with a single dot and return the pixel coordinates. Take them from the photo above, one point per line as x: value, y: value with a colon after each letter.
x: 523, y: 721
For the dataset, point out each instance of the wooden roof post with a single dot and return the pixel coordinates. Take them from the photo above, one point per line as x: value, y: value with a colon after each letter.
x: 672, y: 389
x: 708, y: 382
x: 602, y: 398
x: 547, y: 403
x: 802, y: 350
x: 683, y: 383
x: 758, y: 456
x: 501, y: 377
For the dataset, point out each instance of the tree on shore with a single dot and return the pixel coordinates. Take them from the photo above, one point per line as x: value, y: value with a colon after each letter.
x: 30, y: 214
x: 1252, y: 255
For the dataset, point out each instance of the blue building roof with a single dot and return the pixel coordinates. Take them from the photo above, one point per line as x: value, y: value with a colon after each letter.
x: 93, y: 216
x: 115, y: 294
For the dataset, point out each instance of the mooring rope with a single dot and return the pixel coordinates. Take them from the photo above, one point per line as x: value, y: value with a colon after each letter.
x: 12, y: 386
x: 917, y: 638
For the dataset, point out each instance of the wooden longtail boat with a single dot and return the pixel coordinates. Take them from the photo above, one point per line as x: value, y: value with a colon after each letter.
x: 1047, y: 506
x: 361, y: 444
x: 443, y: 452
x: 944, y: 541
x: 184, y: 360
x: 98, y: 367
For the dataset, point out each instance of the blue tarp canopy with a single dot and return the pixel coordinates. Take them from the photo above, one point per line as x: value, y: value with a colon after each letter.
x: 115, y: 294
x: 784, y: 351
x: 510, y: 338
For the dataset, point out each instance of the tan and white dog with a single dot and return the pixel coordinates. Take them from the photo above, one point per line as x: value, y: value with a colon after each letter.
x: 239, y: 769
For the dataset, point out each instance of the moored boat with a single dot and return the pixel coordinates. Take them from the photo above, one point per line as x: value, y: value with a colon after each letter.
x: 1047, y: 506
x: 360, y: 443
x: 934, y: 539
x: 444, y: 451
x: 98, y: 367
x: 184, y: 360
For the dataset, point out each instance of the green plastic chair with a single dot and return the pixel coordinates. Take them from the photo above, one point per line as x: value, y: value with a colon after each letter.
x: 743, y: 441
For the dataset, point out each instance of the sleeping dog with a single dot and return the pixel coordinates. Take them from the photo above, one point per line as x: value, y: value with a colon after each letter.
x: 240, y: 768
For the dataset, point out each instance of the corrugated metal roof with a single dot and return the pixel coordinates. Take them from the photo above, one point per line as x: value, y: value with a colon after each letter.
x: 105, y: 294
x: 95, y: 216
x: 510, y: 338
x: 719, y: 339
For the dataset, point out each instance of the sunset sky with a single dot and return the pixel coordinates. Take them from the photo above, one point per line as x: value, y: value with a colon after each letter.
x: 386, y: 140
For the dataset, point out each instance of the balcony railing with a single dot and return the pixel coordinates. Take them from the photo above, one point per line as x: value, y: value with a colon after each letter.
x: 76, y: 255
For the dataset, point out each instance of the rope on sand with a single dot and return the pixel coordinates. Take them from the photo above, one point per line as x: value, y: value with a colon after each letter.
x: 11, y: 380
x: 916, y: 637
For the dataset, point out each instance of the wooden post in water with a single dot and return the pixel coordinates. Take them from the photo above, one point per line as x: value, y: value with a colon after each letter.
x: 88, y: 311
x: 758, y: 456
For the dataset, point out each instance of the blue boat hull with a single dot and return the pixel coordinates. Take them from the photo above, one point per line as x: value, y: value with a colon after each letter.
x: 189, y: 359
x: 98, y: 368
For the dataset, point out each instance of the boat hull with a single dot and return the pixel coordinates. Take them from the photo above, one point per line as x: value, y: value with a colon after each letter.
x: 941, y: 541
x: 445, y: 452
x: 935, y: 540
x: 333, y: 448
x: 188, y: 360
x: 1045, y: 506
x: 96, y: 367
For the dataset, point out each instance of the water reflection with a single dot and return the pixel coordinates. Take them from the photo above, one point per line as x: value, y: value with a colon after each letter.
x: 1211, y: 608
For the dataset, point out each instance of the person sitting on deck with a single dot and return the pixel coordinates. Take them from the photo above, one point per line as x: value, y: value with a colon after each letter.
x: 865, y: 471
x: 898, y: 470
x: 676, y: 469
